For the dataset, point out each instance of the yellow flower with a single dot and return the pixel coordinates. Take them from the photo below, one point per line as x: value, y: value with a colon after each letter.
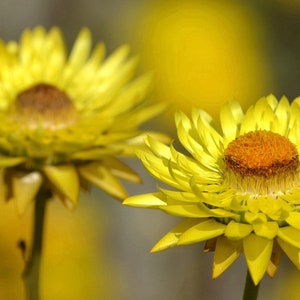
x: 239, y: 187
x: 66, y: 118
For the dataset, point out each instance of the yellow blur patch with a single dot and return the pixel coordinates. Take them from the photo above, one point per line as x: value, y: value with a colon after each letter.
x: 204, y: 53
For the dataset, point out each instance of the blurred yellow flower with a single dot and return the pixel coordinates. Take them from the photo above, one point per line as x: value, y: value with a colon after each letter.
x: 204, y: 52
x: 65, y: 118
x: 239, y: 189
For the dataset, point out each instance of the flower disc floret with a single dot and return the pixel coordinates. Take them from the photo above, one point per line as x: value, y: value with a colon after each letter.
x: 238, y: 188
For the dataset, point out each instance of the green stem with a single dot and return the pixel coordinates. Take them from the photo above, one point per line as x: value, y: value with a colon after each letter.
x: 31, y: 273
x: 250, y: 289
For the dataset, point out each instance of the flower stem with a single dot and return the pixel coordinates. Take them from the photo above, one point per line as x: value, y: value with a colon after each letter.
x: 31, y: 273
x: 250, y: 289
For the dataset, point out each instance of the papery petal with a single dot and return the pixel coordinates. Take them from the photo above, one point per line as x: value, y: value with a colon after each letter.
x: 236, y: 231
x: 268, y: 230
x: 201, y: 232
x: 226, y: 252
x: 120, y: 169
x: 275, y: 260
x: 6, y: 161
x: 294, y: 219
x: 293, y: 253
x: 171, y: 238
x: 258, y: 252
x: 230, y: 116
x: 99, y: 175
x: 25, y: 189
x: 290, y: 235
x: 150, y: 200
x: 65, y: 179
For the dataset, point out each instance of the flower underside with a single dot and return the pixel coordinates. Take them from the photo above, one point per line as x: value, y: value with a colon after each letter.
x: 238, y: 190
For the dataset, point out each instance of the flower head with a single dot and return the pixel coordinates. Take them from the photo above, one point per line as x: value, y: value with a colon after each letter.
x: 66, y: 118
x: 238, y: 185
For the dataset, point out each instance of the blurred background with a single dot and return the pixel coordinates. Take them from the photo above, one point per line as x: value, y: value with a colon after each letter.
x: 202, y: 53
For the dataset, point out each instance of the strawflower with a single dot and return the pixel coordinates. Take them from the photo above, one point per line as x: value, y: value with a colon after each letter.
x: 237, y: 185
x: 66, y: 119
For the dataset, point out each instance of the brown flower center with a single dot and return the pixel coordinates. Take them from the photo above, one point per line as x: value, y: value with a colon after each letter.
x: 46, y: 106
x: 261, y: 153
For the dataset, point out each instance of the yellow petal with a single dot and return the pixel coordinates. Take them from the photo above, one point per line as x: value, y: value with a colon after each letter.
x: 172, y: 237
x: 290, y: 235
x: 145, y: 200
x: 120, y: 169
x: 268, y: 230
x: 294, y: 219
x: 99, y: 175
x: 130, y: 95
x: 275, y: 259
x: 226, y: 252
x: 194, y: 211
x: 293, y: 253
x: 114, y: 61
x: 236, y: 231
x: 25, y: 189
x: 230, y: 116
x: 258, y: 252
x: 93, y: 154
x: 81, y: 49
x: 65, y: 179
x: 201, y: 232
x: 10, y: 161
x: 255, y: 218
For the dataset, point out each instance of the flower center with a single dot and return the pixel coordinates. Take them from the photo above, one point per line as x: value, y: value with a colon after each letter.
x: 46, y: 106
x: 261, y: 153
x: 262, y: 162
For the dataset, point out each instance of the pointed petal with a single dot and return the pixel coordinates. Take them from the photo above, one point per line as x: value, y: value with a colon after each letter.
x: 145, y: 200
x: 294, y: 219
x: 99, y: 175
x: 226, y: 252
x: 230, y: 116
x: 120, y: 169
x: 236, y: 231
x: 25, y: 189
x: 275, y: 260
x: 258, y: 252
x: 201, y: 232
x: 293, y: 253
x: 290, y: 235
x: 93, y: 154
x: 268, y: 230
x: 81, y: 49
x: 10, y: 161
x: 114, y: 61
x: 193, y: 211
x: 65, y: 180
x: 172, y: 237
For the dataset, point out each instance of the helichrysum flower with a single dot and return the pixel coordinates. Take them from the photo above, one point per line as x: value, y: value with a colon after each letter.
x: 66, y: 118
x: 237, y: 186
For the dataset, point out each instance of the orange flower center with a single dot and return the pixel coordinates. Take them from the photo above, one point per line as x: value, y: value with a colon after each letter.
x: 46, y: 106
x: 261, y: 153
